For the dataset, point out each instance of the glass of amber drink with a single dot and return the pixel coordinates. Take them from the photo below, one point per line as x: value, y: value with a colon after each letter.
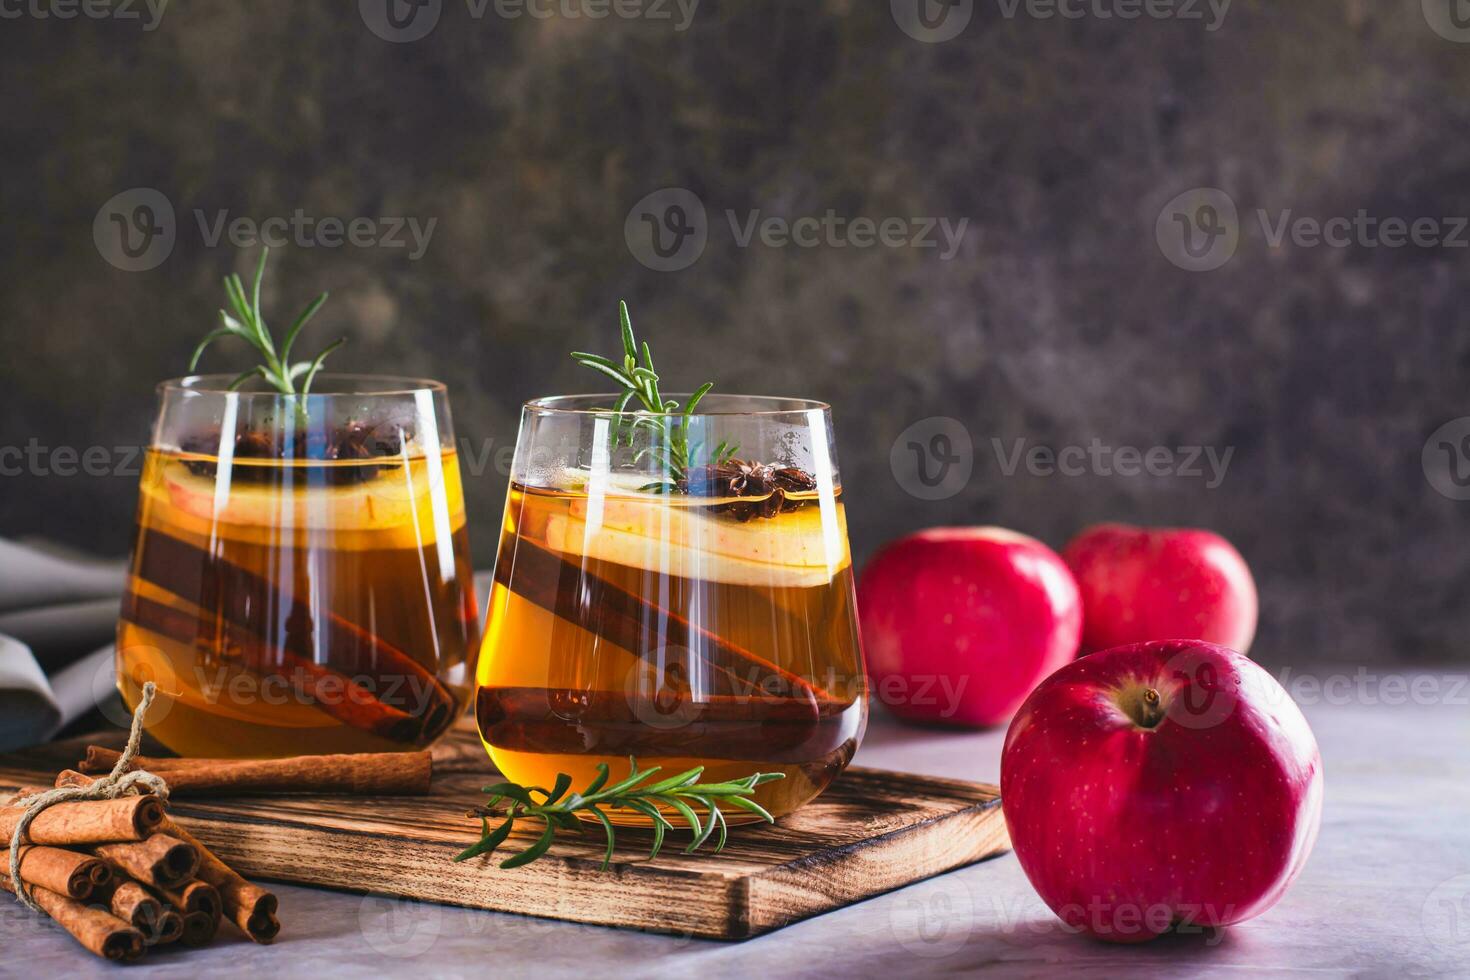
x: 300, y: 579
x: 677, y: 588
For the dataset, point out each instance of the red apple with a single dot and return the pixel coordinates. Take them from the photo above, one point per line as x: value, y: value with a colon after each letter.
x: 959, y: 624
x: 1141, y: 583
x: 1160, y: 784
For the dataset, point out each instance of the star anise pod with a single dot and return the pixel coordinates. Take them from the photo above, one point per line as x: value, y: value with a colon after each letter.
x: 769, y: 485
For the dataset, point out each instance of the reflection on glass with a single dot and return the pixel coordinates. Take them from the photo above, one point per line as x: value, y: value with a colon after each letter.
x: 710, y: 624
x: 300, y: 579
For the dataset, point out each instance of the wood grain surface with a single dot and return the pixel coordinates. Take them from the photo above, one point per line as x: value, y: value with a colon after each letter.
x: 870, y: 832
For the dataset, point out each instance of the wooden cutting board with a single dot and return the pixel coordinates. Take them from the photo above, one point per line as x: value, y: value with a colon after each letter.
x: 872, y: 831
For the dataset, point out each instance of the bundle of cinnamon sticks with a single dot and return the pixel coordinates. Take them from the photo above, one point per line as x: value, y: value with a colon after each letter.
x: 121, y: 877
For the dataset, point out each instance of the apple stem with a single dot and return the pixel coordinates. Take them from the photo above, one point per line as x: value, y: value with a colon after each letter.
x: 1152, y: 709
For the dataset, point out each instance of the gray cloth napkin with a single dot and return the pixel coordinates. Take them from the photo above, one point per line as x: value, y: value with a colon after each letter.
x: 58, y: 613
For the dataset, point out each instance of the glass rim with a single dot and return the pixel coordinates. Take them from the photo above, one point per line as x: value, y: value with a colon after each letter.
x: 373, y: 386
x: 545, y: 405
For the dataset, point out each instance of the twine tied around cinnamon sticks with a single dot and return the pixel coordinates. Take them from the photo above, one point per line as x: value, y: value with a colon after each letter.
x: 115, y: 784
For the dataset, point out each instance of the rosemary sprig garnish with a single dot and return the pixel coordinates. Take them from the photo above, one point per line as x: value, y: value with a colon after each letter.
x: 248, y: 323
x: 669, y: 445
x: 558, y: 811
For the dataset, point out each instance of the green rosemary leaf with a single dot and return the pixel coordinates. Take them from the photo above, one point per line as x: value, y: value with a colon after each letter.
x: 648, y: 810
x: 563, y: 783
x: 306, y: 315
x: 610, y: 370
x: 658, y: 839
x: 259, y: 276
x: 694, y: 398
x: 647, y: 357
x: 490, y: 841
x: 684, y: 810
x: 514, y: 791
x: 316, y: 366
x: 607, y: 828
x: 634, y: 778
x: 235, y: 290
x: 685, y: 778
x: 599, y: 781
x: 583, y: 357
x: 709, y: 827
x: 657, y: 454
x: 565, y: 820
x: 724, y: 830
x: 542, y: 845
x: 751, y: 805
x: 625, y: 322
x: 619, y: 434
x: 209, y: 338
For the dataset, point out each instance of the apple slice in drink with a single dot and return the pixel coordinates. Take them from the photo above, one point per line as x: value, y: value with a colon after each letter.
x: 791, y: 540
x: 687, y: 557
x: 377, y: 503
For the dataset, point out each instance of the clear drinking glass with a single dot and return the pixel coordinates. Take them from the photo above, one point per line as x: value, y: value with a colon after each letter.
x: 703, y: 621
x: 300, y: 579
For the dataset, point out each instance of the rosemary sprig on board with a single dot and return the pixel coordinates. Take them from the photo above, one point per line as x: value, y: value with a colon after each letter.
x: 248, y: 324
x: 669, y: 444
x: 557, y: 811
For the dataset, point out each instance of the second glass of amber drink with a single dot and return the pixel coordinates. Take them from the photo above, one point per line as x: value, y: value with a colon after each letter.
x: 678, y: 588
x: 301, y: 579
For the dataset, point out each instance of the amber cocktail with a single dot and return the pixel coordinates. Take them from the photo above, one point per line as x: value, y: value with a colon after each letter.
x: 705, y: 621
x: 300, y: 579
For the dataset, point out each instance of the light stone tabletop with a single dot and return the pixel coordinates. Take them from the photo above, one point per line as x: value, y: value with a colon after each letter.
x: 1386, y: 892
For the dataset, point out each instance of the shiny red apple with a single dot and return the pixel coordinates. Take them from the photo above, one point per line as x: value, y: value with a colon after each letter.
x: 1160, y: 785
x: 1145, y: 583
x: 959, y: 624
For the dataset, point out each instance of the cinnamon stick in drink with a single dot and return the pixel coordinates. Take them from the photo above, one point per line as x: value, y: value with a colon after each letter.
x: 637, y: 625
x: 99, y: 931
x: 127, y: 818
x: 337, y: 695
x: 248, y: 906
x: 369, y: 774
x: 238, y: 596
x: 161, y: 861
x: 69, y: 873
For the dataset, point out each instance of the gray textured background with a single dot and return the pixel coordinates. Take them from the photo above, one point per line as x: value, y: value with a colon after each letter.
x: 1059, y: 320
